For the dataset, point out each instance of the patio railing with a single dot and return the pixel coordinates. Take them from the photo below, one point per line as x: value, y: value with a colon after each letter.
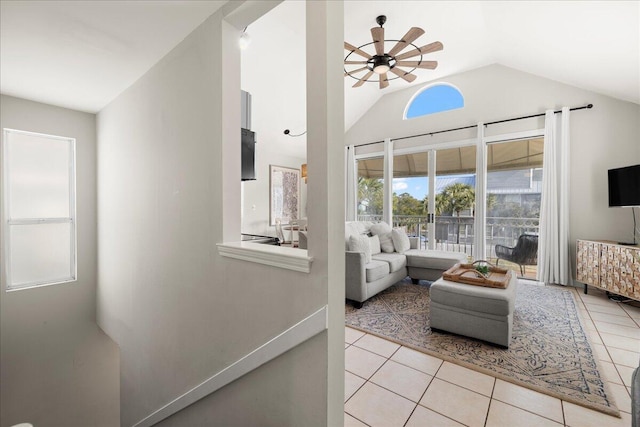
x: 457, y: 233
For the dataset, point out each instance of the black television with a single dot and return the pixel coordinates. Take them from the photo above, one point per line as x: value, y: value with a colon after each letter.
x: 624, y: 186
x: 248, y: 155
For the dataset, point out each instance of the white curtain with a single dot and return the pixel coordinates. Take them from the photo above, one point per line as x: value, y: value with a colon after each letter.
x: 480, y: 221
x: 352, y: 184
x: 553, y: 243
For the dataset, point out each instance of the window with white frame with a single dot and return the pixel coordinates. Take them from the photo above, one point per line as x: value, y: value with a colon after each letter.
x: 39, y: 209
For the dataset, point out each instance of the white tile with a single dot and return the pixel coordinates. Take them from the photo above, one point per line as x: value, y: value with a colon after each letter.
x: 617, y: 341
x: 465, y: 406
x: 362, y: 362
x: 349, y: 421
x: 600, y: 299
x: 417, y: 360
x: 625, y: 373
x: 623, y: 331
x: 351, y: 384
x: 376, y: 406
x: 594, y: 336
x: 402, y: 379
x: 601, y: 352
x: 579, y: 416
x: 530, y: 400
x: 352, y: 335
x: 623, y: 320
x: 610, y: 373
x: 377, y: 345
x: 621, y: 396
x: 501, y: 414
x: 467, y: 378
x: 633, y: 309
x: 612, y: 308
x: 624, y: 357
x: 422, y: 417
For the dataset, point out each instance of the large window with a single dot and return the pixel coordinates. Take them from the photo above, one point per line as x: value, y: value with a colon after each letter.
x: 39, y: 209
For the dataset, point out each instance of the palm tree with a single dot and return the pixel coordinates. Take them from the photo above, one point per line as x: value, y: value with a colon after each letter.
x: 456, y: 198
x: 370, y: 195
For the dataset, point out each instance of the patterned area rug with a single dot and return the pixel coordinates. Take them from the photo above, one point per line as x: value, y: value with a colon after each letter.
x: 549, y: 351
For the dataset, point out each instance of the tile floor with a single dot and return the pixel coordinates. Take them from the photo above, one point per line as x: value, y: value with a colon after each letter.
x: 389, y: 385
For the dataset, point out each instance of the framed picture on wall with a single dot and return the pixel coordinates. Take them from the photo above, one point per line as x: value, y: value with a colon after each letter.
x: 284, y: 194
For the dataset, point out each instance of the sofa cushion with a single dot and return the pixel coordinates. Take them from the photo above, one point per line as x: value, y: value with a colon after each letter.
x: 400, y: 240
x: 396, y: 261
x: 376, y: 270
x: 374, y: 243
x: 437, y: 260
x: 383, y: 231
x: 361, y: 244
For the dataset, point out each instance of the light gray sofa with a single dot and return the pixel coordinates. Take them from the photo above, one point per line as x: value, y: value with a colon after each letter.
x: 364, y: 280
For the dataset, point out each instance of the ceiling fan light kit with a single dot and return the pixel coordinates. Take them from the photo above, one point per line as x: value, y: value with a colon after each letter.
x: 383, y: 62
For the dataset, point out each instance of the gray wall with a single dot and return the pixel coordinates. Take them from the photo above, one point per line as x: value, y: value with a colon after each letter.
x: 169, y: 185
x: 56, y: 366
x: 604, y: 137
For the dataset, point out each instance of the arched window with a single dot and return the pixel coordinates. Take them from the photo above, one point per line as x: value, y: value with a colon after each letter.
x: 433, y: 99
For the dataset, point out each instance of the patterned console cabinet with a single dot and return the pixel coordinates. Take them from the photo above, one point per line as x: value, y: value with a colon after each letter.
x: 609, y: 266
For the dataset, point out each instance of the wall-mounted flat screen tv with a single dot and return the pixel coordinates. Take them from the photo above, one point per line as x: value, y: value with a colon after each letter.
x: 248, y: 155
x: 624, y: 186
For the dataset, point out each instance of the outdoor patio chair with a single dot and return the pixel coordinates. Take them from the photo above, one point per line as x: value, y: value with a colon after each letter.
x: 524, y: 253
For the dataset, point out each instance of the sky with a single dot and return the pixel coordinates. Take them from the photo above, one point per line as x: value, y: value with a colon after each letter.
x: 416, y: 186
x: 419, y: 186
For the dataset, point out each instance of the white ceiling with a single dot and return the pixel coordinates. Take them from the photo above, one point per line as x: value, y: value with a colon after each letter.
x: 82, y: 54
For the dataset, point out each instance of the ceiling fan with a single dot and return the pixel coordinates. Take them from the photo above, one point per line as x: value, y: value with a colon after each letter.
x: 383, y: 62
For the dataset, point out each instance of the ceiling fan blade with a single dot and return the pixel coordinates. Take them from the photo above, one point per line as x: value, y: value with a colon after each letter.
x: 354, y: 71
x: 360, y: 52
x: 377, y: 33
x: 354, y: 62
x: 383, y: 81
x: 363, y: 79
x: 408, y: 38
x: 428, y: 48
x: 403, y: 74
x: 418, y: 64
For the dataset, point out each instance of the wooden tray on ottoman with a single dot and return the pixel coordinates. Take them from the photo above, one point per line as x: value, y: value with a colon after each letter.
x: 467, y: 273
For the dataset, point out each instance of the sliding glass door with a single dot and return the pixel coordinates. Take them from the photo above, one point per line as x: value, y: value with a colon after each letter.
x: 432, y: 195
x: 514, y: 190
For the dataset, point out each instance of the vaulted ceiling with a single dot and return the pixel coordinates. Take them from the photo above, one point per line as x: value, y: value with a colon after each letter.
x: 82, y: 54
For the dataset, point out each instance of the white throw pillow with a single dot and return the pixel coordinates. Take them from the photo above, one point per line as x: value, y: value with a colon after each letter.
x: 361, y: 244
x: 374, y: 243
x: 383, y: 231
x: 400, y: 240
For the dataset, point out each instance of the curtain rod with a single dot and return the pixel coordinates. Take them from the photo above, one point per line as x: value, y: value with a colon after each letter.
x: 473, y: 126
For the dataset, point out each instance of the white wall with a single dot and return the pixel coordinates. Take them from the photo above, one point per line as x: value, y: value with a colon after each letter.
x: 278, y: 103
x: 604, y: 137
x: 255, y: 194
x: 169, y: 191
x: 56, y: 366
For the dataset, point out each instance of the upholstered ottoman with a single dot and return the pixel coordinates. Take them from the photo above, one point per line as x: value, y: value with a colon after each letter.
x: 429, y: 265
x: 474, y: 311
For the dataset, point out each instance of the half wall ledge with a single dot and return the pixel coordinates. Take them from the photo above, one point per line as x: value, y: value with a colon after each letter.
x: 275, y: 256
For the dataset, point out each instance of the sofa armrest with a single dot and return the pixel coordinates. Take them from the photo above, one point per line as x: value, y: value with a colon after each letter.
x: 413, y: 242
x: 355, y: 276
